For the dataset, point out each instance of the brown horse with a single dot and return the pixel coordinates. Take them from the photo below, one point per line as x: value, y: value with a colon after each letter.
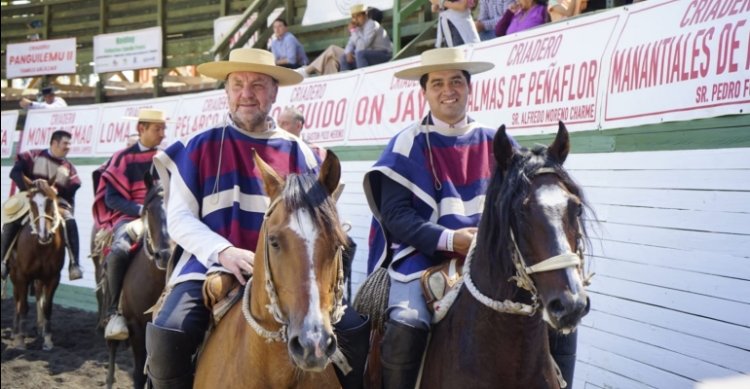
x: 38, y: 258
x: 282, y: 336
x: 144, y: 281
x: 522, y: 275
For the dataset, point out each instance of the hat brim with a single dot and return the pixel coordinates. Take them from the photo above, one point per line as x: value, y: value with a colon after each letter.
x: 11, y: 217
x: 221, y: 69
x: 147, y: 120
x: 417, y: 72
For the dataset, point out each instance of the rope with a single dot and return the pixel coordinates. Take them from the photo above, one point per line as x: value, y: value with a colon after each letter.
x: 270, y: 336
x: 372, y: 298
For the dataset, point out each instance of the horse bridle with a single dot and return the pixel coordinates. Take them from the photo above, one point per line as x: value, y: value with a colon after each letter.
x: 337, y: 311
x: 522, y: 277
x: 56, y: 221
x: 147, y: 240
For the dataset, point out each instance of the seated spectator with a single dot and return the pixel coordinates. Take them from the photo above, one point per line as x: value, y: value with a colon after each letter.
x: 561, y: 9
x: 286, y: 49
x: 368, y: 44
x: 455, y: 24
x: 49, y: 100
x: 521, y: 16
x: 490, y: 12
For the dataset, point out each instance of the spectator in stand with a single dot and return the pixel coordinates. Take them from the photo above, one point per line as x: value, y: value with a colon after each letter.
x: 490, y: 12
x: 522, y: 15
x: 286, y: 49
x: 368, y: 44
x: 49, y: 100
x: 455, y: 24
x: 561, y: 9
x: 292, y: 121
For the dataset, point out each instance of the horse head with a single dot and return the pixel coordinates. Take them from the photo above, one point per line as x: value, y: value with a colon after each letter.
x: 536, y: 210
x: 300, y: 247
x: 154, y: 215
x: 45, y: 215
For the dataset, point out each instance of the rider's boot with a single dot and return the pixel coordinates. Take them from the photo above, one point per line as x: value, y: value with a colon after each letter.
x: 563, y: 350
x: 169, y: 363
x: 354, y: 342
x: 71, y: 237
x: 117, y: 264
x: 10, y: 230
x: 401, y: 354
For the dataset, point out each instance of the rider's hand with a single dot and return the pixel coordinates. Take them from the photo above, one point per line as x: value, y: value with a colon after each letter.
x: 462, y: 240
x: 238, y: 261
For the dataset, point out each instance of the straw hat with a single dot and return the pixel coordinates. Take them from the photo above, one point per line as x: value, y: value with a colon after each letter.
x: 150, y: 115
x: 446, y: 58
x: 250, y: 60
x: 357, y: 9
x: 15, y: 207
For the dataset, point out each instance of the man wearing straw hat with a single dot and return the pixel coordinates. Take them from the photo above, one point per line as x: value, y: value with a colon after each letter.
x: 414, y: 179
x: 215, y: 208
x: 48, y: 164
x: 119, y: 200
x: 368, y: 43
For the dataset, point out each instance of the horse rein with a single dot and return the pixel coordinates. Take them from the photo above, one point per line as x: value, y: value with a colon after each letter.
x: 274, y: 306
x: 522, y: 277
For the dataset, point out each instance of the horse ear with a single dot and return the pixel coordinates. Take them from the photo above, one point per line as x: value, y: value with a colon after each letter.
x: 27, y: 181
x: 272, y: 182
x: 502, y: 148
x: 560, y: 147
x: 330, y: 172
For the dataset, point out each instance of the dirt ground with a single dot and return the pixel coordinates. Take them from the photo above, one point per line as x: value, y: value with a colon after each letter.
x: 78, y: 360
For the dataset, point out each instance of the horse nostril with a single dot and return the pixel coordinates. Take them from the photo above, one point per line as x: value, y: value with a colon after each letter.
x: 332, y: 345
x: 556, y: 307
x: 295, y: 346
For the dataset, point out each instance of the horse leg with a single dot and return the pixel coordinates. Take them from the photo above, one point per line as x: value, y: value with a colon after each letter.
x: 112, y: 345
x: 138, y: 346
x: 45, y: 293
x: 20, y: 292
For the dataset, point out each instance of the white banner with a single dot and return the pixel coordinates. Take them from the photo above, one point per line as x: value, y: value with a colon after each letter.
x: 677, y: 60
x: 137, y: 49
x: 325, y: 105
x: 556, y: 72
x: 81, y: 122
x: 118, y: 121
x: 328, y: 11
x: 9, y: 121
x: 543, y: 76
x: 41, y: 58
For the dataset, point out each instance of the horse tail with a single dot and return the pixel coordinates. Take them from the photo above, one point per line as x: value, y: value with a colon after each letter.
x: 372, y: 298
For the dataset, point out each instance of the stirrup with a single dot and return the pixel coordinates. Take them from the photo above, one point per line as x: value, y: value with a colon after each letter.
x: 74, y: 273
x: 116, y: 329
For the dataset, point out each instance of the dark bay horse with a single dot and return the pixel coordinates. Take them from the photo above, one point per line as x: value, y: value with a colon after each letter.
x: 144, y: 280
x: 524, y: 275
x: 280, y: 335
x: 38, y: 259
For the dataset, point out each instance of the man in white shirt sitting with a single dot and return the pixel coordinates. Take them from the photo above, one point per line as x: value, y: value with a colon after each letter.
x: 49, y: 100
x: 368, y: 44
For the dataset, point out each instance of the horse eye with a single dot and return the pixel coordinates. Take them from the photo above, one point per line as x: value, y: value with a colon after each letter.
x: 274, y: 242
x: 579, y: 210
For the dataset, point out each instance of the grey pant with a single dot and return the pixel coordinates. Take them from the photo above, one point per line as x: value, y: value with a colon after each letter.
x: 406, y: 304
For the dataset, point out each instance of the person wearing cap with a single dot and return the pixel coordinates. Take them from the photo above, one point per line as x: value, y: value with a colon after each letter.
x: 286, y: 48
x: 368, y: 41
x: 119, y: 200
x: 422, y: 170
x: 215, y: 209
x: 49, y: 100
x: 49, y: 165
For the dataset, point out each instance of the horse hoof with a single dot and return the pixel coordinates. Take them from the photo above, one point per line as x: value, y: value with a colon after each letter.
x: 19, y: 343
x: 47, y: 343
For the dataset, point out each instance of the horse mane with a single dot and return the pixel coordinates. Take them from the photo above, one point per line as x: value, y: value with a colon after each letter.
x: 305, y: 191
x: 506, y: 191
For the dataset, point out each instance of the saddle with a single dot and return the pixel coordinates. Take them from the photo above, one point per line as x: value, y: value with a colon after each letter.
x: 221, y: 291
x: 440, y: 285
